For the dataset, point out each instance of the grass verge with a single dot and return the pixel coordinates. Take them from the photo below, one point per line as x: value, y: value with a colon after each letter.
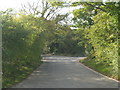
x: 103, y: 69
x: 9, y: 82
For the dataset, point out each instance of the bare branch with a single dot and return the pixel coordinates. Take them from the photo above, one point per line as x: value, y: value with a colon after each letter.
x: 42, y: 8
x: 95, y: 7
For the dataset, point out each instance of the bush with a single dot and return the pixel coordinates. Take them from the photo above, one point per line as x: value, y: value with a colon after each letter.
x: 22, y: 47
x: 103, y: 38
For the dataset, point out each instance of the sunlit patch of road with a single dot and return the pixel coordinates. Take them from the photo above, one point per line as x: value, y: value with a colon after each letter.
x: 65, y: 72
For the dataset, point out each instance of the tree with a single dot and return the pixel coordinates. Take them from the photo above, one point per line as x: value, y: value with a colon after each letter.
x: 42, y: 8
x: 100, y: 29
x: 23, y: 43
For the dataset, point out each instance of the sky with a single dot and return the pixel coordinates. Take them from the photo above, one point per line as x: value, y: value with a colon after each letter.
x: 16, y: 5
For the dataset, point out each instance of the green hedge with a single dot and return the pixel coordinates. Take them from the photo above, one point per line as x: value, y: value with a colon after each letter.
x: 22, y: 47
x: 103, y: 37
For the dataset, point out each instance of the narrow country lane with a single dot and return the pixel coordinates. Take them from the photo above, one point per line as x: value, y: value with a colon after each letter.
x: 65, y: 72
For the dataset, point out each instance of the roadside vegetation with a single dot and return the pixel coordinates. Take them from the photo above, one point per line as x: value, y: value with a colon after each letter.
x: 99, y: 24
x: 22, y: 47
x: 32, y: 32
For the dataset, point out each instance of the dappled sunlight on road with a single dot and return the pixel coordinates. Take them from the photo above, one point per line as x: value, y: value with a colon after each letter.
x: 61, y: 59
x: 65, y: 72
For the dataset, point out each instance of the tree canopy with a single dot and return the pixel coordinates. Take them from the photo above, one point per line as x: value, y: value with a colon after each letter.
x: 39, y: 29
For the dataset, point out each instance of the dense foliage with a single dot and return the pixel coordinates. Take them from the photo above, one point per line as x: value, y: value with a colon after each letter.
x: 66, y: 42
x: 27, y: 36
x: 22, y: 46
x: 100, y: 23
x: 103, y: 38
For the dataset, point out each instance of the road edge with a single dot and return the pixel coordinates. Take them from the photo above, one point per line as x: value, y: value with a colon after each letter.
x: 99, y: 73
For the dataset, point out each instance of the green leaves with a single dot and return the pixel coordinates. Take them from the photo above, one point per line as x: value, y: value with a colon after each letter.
x: 22, y: 46
x: 102, y: 36
x: 100, y: 31
x: 56, y: 3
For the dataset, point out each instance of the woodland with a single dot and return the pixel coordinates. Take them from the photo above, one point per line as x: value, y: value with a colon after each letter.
x: 39, y: 28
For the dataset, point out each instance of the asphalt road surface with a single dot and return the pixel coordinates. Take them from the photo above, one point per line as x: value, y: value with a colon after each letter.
x: 65, y: 72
